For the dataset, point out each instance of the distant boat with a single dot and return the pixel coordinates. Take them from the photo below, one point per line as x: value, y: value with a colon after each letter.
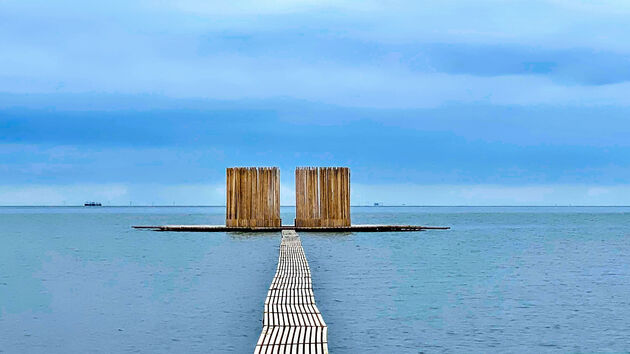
x: 92, y: 204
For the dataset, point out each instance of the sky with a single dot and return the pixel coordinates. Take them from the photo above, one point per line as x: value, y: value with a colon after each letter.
x: 428, y: 102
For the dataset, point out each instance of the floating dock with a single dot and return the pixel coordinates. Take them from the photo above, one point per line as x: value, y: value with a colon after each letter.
x: 292, y: 322
x: 322, y: 203
x: 352, y: 228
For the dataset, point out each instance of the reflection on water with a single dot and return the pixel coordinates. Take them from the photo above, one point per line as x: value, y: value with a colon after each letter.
x: 503, y: 279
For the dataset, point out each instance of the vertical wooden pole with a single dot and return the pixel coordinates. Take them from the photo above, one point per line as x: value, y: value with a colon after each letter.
x: 228, y: 197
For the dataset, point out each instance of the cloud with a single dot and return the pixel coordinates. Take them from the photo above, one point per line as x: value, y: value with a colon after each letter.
x: 405, y: 54
x: 458, y: 144
x: 372, y: 87
x: 434, y: 92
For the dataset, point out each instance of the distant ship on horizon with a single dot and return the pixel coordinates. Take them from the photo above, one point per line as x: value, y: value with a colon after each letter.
x: 92, y: 204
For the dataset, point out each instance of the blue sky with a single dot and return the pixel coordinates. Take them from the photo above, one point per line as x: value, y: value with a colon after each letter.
x: 434, y: 102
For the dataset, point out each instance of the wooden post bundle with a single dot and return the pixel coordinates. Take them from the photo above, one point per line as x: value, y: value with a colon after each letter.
x: 252, y: 197
x: 322, y: 196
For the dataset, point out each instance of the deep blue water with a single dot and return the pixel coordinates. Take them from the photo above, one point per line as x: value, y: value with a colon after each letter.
x: 76, y: 280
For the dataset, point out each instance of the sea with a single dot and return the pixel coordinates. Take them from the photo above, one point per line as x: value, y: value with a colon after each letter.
x: 502, y: 279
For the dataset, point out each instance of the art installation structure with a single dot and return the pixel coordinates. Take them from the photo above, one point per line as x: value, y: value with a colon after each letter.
x: 322, y: 197
x: 291, y: 320
x: 252, y: 197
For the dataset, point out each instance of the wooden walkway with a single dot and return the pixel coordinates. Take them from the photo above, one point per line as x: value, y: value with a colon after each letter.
x: 291, y: 321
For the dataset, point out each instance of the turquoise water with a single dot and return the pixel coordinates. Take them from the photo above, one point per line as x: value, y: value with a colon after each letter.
x: 75, y: 280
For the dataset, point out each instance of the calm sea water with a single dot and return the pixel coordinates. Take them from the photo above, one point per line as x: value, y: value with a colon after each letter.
x: 76, y: 280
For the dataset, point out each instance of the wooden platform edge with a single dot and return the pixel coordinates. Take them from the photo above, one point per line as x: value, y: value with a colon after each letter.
x: 352, y: 228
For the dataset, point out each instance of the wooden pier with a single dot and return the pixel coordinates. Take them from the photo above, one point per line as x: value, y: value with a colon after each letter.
x: 291, y: 321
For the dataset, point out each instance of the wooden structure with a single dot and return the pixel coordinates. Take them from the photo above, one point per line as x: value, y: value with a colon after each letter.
x: 252, y: 197
x: 322, y: 203
x: 322, y: 197
x: 291, y: 321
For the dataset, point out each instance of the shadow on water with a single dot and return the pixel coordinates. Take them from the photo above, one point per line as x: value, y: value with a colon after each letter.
x: 239, y: 235
x: 326, y: 234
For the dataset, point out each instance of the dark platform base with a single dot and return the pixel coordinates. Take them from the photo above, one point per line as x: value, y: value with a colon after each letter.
x: 353, y: 228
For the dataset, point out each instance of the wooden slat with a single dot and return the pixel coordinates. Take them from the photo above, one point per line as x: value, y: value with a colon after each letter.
x: 228, y: 194
x: 292, y: 322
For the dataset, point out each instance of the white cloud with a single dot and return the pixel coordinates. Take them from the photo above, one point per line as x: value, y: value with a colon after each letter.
x: 557, y: 23
x: 148, y: 47
x: 267, y: 7
x: 231, y: 77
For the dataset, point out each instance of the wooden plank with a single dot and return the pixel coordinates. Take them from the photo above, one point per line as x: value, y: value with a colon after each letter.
x: 257, y: 201
x: 335, y: 181
x: 276, y: 194
x: 316, y: 211
x: 338, y: 200
x: 240, y: 204
x: 298, y: 194
x: 347, y: 199
x: 248, y: 198
x: 265, y: 213
x: 323, y: 184
x: 229, y: 202
x: 228, y: 196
